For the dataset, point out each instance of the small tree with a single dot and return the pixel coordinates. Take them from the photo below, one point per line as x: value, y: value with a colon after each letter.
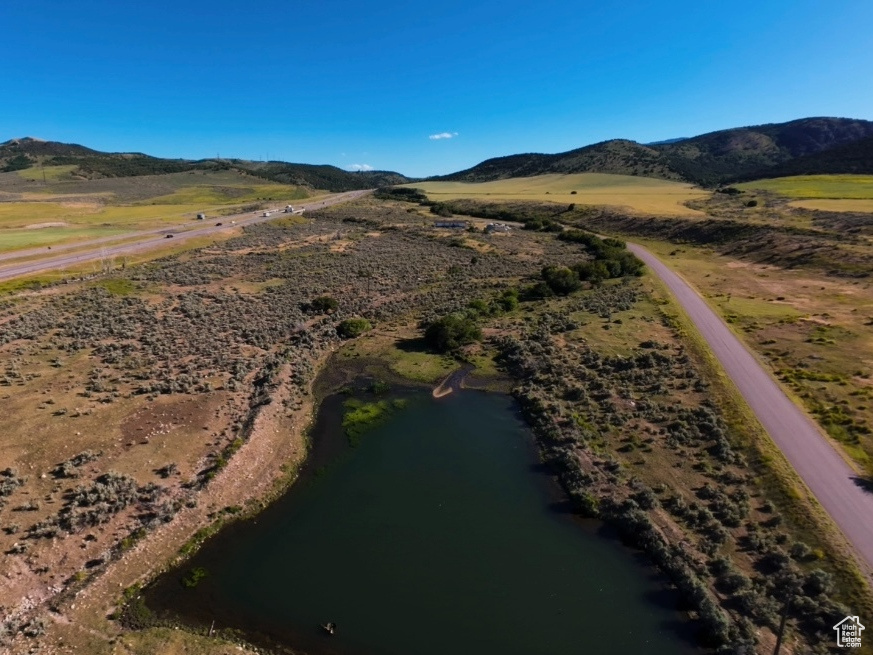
x: 324, y: 304
x: 561, y: 279
x: 353, y: 327
x: 451, y: 332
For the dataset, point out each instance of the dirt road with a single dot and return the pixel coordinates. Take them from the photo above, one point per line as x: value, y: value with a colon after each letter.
x: 831, y: 480
x: 146, y: 240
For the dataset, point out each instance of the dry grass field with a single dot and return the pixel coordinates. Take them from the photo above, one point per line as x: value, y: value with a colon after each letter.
x: 635, y: 194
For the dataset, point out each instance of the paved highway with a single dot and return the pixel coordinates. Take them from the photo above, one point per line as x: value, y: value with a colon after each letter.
x: 97, y: 249
x: 832, y: 481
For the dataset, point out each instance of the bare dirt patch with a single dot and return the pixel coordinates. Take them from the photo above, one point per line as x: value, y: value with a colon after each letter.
x: 39, y: 226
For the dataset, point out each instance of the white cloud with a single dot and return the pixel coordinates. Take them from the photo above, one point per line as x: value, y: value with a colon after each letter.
x: 443, y: 135
x: 360, y: 167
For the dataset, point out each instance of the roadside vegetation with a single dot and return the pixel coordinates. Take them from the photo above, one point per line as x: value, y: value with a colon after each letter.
x: 794, y: 284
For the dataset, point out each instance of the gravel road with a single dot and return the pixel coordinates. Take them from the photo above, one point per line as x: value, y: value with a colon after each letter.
x: 97, y: 249
x: 832, y: 481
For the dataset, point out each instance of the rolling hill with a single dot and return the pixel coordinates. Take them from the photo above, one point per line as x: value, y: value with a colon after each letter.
x: 24, y: 153
x: 802, y: 147
x: 854, y: 158
x: 709, y: 159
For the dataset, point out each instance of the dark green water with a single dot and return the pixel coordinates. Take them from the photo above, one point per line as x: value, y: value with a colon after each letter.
x: 437, y: 534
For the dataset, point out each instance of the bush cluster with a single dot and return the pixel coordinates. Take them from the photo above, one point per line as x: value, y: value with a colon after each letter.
x: 451, y: 332
x: 572, y: 395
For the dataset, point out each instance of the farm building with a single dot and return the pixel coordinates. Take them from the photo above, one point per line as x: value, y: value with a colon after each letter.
x: 497, y: 227
x: 451, y: 224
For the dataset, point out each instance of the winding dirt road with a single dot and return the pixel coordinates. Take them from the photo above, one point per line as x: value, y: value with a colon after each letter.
x: 98, y: 249
x: 832, y: 481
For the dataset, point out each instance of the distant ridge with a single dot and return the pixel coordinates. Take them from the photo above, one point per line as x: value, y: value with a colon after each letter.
x: 709, y: 159
x: 22, y: 153
x: 667, y: 141
x: 801, y: 147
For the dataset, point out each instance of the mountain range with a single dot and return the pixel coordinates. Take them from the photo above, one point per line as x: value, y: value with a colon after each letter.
x: 805, y: 146
x: 17, y: 154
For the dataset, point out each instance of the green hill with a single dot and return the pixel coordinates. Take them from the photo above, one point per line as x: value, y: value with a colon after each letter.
x: 619, y: 157
x: 21, y: 154
x: 709, y: 159
x: 855, y: 158
x: 802, y: 147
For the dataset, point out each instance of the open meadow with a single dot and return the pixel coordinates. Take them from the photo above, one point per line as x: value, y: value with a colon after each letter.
x: 35, y: 213
x: 849, y: 193
x: 635, y: 194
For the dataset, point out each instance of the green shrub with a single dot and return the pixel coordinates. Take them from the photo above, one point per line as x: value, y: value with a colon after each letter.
x: 508, y: 300
x: 451, y: 332
x: 353, y: 327
x: 324, y: 304
x: 562, y: 280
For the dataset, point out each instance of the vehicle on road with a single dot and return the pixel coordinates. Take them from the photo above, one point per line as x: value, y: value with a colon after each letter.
x: 169, y: 236
x: 219, y: 224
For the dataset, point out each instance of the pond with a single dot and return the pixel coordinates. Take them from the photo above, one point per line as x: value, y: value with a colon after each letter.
x: 437, y: 533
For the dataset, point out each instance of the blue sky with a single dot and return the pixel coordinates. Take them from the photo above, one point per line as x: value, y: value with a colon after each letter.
x: 368, y: 84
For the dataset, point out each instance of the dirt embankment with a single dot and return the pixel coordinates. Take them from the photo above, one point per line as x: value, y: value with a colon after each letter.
x: 263, y: 465
x: 453, y: 382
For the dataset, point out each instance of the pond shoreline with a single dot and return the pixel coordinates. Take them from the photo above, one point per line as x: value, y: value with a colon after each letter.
x: 321, y: 454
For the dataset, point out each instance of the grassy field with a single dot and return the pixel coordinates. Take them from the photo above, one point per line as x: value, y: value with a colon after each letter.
x: 864, y: 205
x: 19, y: 239
x: 35, y: 214
x: 35, y: 224
x: 52, y: 173
x: 222, y: 195
x: 636, y: 194
x: 858, y: 187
